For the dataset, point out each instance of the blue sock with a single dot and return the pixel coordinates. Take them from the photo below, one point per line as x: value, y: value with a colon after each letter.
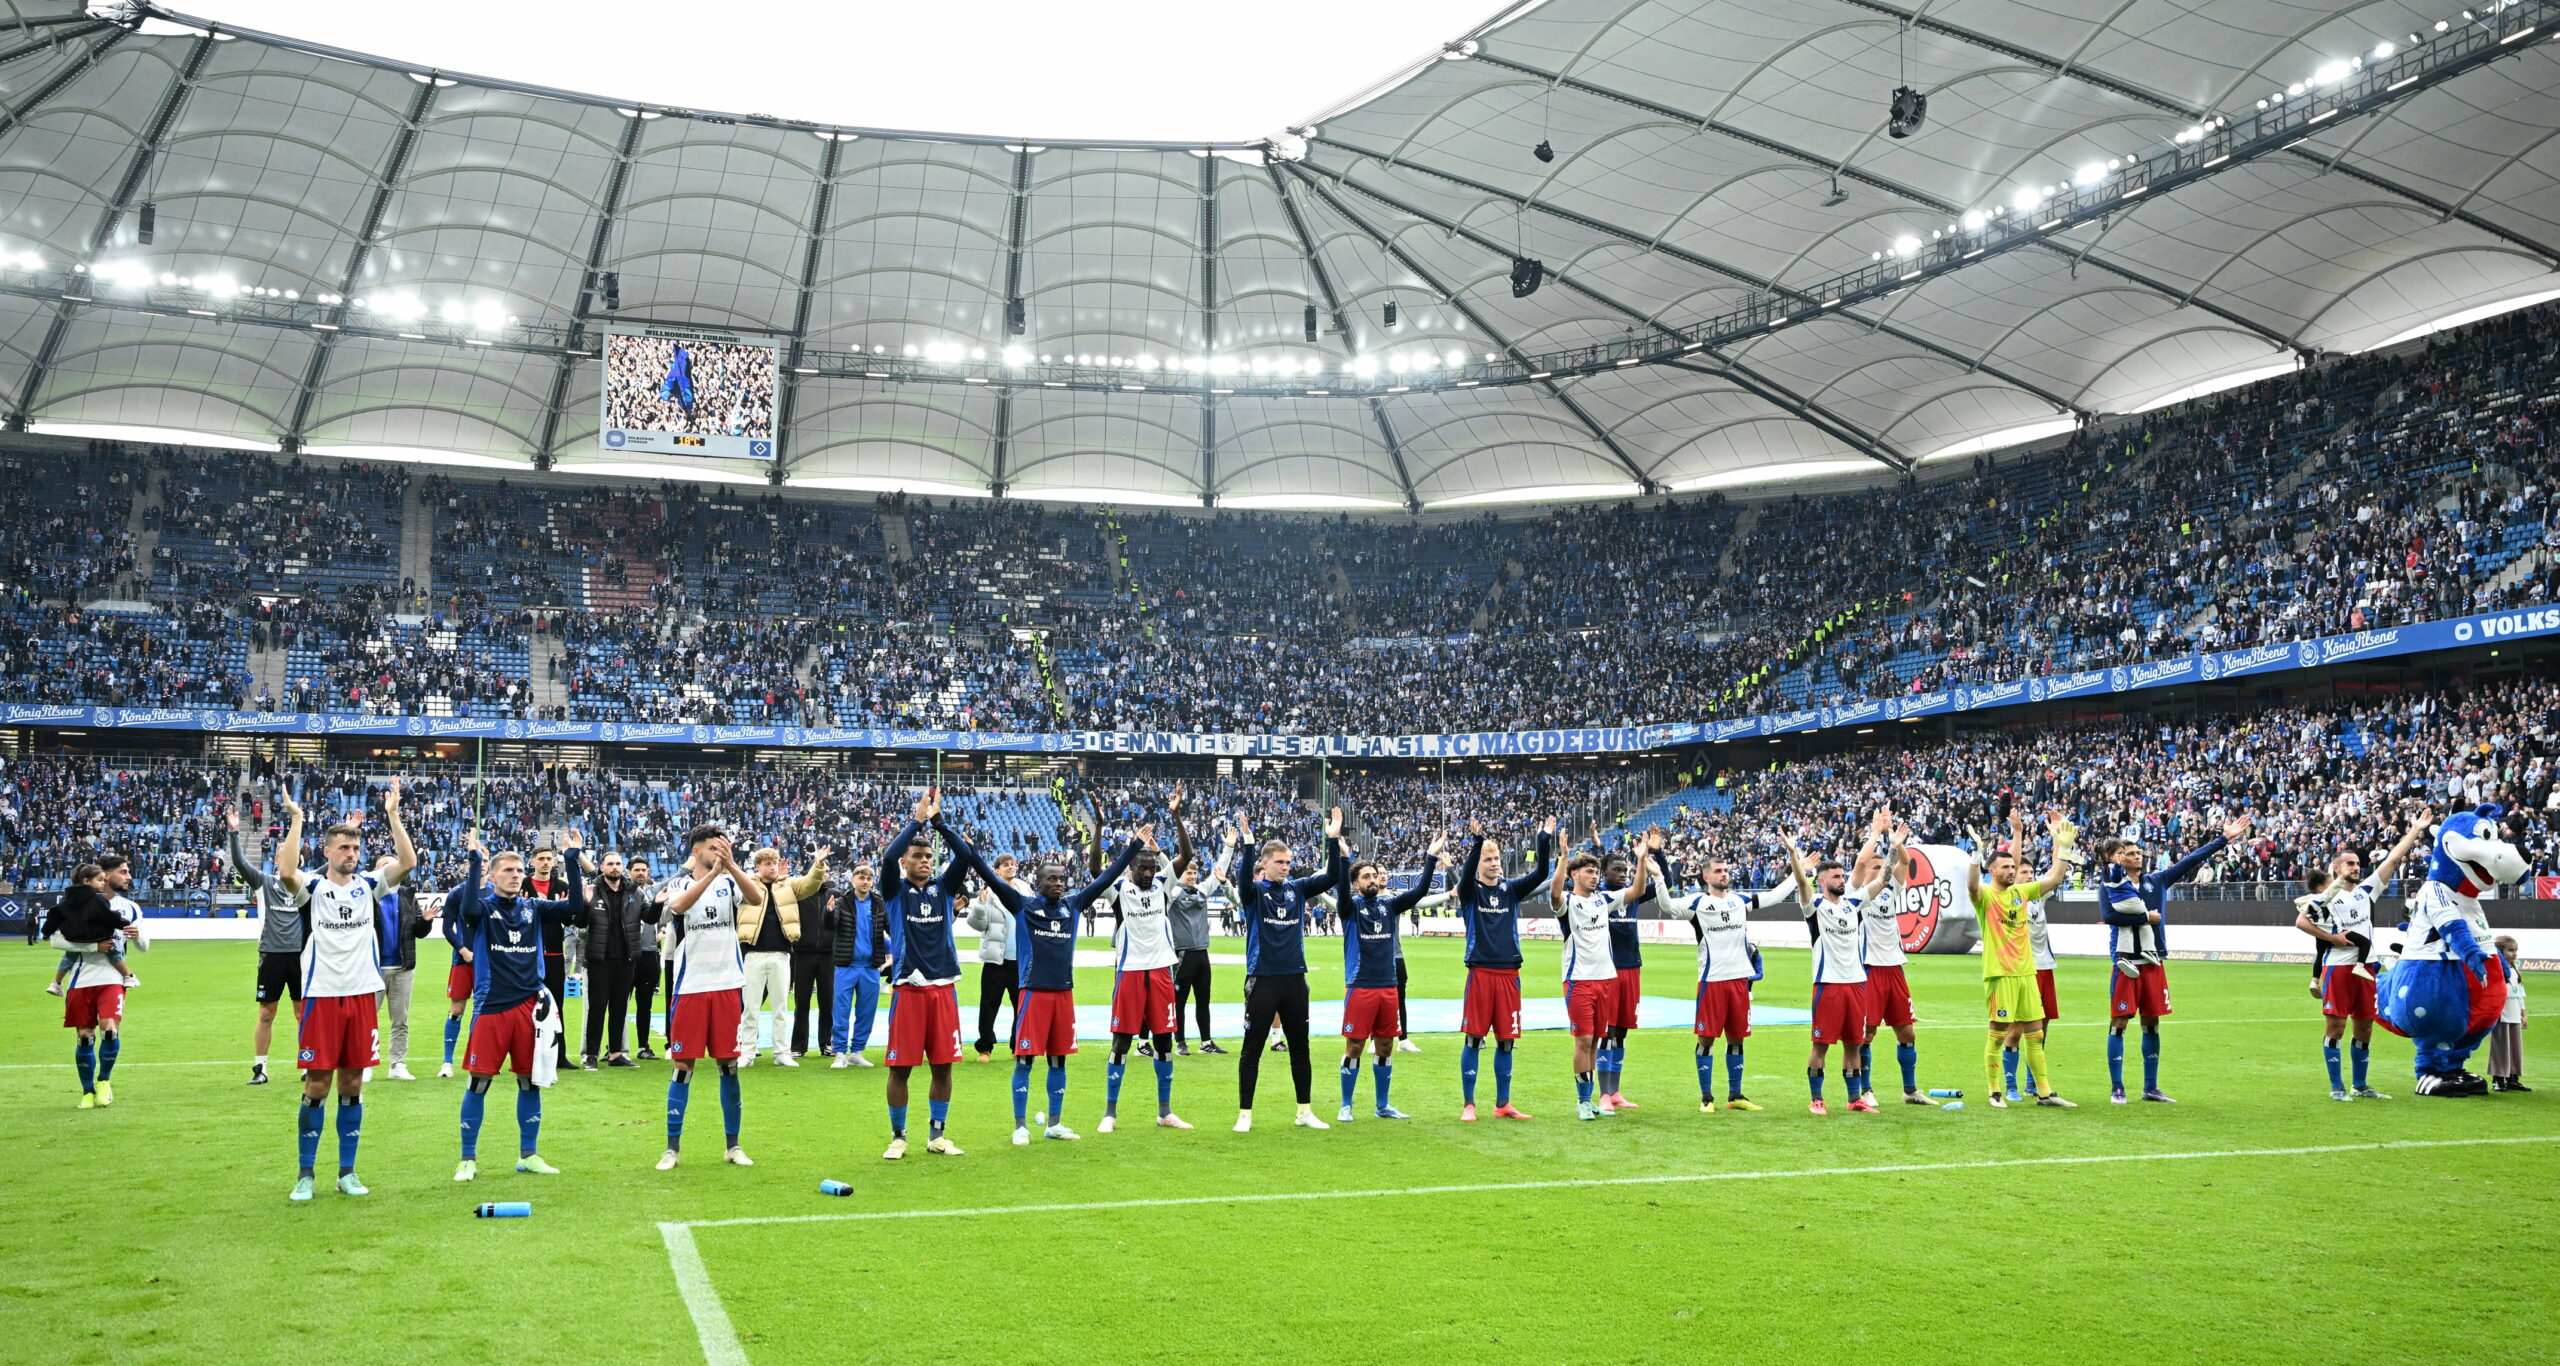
x: 2009, y: 1068
x: 1813, y: 1078
x: 679, y: 1091
x: 1021, y: 1092
x: 939, y: 1113
x: 1057, y: 1091
x: 730, y: 1105
x: 85, y: 1055
x: 1502, y: 1076
x: 1732, y: 1073
x: 2151, y: 1060
x: 529, y: 1120
x: 474, y: 1101
x: 2329, y: 1055
x: 1852, y: 1084
x: 2115, y: 1061
x: 1164, y: 1083
x: 1908, y: 1054
x: 1582, y: 1087
x: 1866, y: 1062
x: 1111, y: 1075
x: 1467, y: 1069
x: 108, y: 1047
x: 1382, y: 1073
x: 1706, y: 1078
x: 452, y: 1033
x: 897, y: 1121
x: 1350, y: 1080
x: 350, y: 1132
x: 2360, y: 1054
x: 307, y: 1130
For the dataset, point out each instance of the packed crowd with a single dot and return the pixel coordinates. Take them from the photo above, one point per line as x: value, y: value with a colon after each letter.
x: 2373, y: 491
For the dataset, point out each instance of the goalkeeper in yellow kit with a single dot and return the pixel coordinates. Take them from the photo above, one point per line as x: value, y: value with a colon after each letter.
x: 2008, y: 957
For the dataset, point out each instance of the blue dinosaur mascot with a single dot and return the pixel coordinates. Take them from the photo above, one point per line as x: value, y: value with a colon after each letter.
x: 2446, y: 990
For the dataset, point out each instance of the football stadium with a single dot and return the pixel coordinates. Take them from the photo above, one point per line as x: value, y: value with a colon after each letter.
x: 1685, y: 580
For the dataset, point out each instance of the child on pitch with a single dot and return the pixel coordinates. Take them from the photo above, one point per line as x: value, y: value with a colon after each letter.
x: 88, y: 930
x: 2506, y: 1038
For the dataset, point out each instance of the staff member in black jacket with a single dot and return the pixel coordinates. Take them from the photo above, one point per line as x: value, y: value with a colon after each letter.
x: 619, y: 920
x: 813, y: 969
x: 644, y: 961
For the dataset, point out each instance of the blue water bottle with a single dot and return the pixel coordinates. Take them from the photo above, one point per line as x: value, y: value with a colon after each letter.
x: 506, y: 1209
x: 1945, y: 1093
x: 834, y: 1188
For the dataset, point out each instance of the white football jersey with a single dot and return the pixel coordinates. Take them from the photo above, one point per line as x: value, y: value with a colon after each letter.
x: 2039, y: 938
x: 708, y: 957
x: 2430, y: 911
x: 343, y: 955
x: 1838, y: 934
x: 2350, y: 912
x: 1585, y: 922
x: 1143, y: 939
x: 1724, y: 928
x: 1883, y: 915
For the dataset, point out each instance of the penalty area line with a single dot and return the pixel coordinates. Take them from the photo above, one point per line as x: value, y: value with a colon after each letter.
x: 720, y: 1345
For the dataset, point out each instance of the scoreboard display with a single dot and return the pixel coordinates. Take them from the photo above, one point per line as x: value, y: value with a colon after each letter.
x: 686, y: 391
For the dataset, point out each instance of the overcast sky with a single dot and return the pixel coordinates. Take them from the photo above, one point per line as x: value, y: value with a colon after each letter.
x: 1154, y: 69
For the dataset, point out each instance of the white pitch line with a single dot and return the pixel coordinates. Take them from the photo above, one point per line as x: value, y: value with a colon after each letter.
x: 720, y: 1346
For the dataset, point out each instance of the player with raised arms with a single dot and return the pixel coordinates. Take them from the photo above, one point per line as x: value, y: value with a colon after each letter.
x: 1489, y: 908
x: 1888, y: 987
x: 924, y: 967
x: 1727, y: 966
x: 1583, y: 911
x: 502, y: 928
x: 1626, y: 951
x: 2008, y: 961
x: 702, y: 901
x: 1836, y: 901
x: 2134, y: 905
x: 1372, y: 1003
x: 1144, y: 955
x: 1275, y: 907
x: 1044, y: 956
x: 341, y: 978
x: 2344, y: 914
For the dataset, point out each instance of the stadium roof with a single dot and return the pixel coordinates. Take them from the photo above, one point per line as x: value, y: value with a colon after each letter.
x: 352, y: 255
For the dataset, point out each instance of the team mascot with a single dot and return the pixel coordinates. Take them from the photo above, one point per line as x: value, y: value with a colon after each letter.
x: 2446, y: 990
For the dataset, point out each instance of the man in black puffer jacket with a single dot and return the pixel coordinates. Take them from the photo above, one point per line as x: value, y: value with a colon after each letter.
x: 620, y: 924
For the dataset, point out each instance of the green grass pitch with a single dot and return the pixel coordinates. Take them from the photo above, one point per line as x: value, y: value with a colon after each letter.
x: 157, y: 1230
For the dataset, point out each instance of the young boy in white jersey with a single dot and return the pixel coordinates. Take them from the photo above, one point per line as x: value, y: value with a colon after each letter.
x: 341, y: 979
x: 1590, y: 969
x: 2339, y: 913
x: 1835, y: 900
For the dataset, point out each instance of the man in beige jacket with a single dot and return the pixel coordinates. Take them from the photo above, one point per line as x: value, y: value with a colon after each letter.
x: 765, y: 935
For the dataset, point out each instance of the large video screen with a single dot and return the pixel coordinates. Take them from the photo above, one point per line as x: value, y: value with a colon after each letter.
x: 677, y: 391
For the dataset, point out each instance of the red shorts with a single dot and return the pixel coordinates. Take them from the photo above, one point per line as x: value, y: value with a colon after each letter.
x: 924, y: 1024
x: 337, y: 1033
x: 2346, y: 995
x: 1888, y: 997
x: 458, y: 981
x: 1369, y: 1013
x: 1623, y: 1005
x: 1142, y: 1002
x: 1045, y: 1026
x: 705, y: 1024
x: 1492, y: 1004
x: 85, y: 1007
x: 503, y: 1036
x: 2044, y: 988
x: 1840, y: 1013
x: 1724, y: 1009
x: 1590, y: 1006
x: 2146, y: 995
